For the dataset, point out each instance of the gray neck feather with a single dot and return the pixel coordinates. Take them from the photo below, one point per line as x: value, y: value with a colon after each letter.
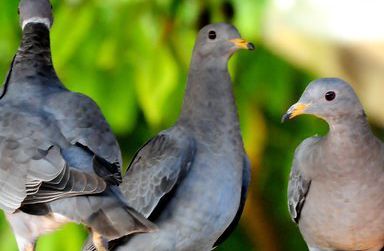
x: 209, y: 106
x: 348, y: 132
x: 33, y: 57
x: 349, y: 146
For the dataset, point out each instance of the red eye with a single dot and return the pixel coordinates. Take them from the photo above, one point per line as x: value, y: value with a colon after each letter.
x: 331, y: 95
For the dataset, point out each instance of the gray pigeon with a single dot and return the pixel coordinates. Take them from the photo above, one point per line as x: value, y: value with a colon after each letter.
x: 192, y: 179
x: 59, y: 161
x: 336, y: 185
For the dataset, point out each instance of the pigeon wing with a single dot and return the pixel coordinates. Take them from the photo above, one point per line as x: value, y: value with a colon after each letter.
x: 156, y: 169
x: 298, y: 188
x: 82, y: 123
x: 32, y: 169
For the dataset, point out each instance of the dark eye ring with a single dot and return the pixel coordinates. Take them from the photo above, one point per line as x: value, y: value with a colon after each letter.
x: 331, y: 95
x: 211, y: 35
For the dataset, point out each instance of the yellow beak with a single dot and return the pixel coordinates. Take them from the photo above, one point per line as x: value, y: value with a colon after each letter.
x: 242, y: 43
x: 295, y: 110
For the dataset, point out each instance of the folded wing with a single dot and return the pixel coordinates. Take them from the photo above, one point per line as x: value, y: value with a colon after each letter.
x: 156, y: 169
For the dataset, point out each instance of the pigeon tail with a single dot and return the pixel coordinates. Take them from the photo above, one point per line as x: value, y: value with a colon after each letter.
x: 106, y: 214
x: 112, y: 218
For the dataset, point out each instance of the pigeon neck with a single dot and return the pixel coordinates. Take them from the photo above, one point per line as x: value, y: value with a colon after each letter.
x: 347, y: 130
x: 34, y: 54
x: 206, y: 63
x: 209, y: 105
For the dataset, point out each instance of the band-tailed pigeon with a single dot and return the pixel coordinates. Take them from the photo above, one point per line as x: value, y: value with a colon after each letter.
x: 59, y: 161
x: 336, y: 185
x: 192, y: 178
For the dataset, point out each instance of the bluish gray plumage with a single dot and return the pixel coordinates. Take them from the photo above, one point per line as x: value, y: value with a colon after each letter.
x: 59, y: 160
x: 191, y: 179
x: 335, y: 190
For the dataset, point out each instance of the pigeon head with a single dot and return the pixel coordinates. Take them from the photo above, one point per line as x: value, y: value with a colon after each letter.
x: 219, y: 40
x: 35, y: 11
x: 327, y: 98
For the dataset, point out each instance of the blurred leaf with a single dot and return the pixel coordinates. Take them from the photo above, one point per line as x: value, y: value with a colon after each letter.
x: 70, y: 237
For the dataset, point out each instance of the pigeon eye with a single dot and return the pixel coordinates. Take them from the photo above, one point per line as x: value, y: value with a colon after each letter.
x: 331, y: 95
x: 18, y: 11
x: 211, y: 35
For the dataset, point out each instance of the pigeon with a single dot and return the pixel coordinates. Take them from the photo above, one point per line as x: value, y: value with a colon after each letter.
x: 59, y: 161
x: 191, y: 180
x: 336, y: 184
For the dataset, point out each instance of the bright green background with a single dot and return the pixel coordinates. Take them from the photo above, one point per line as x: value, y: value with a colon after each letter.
x: 132, y: 57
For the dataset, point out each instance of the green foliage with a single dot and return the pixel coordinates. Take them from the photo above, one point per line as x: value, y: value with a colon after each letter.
x: 132, y: 58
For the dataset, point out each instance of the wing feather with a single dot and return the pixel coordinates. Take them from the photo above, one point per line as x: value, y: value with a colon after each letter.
x: 298, y: 188
x: 81, y: 121
x: 156, y: 169
x: 32, y: 168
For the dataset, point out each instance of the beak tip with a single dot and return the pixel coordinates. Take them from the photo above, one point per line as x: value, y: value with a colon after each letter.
x: 286, y: 117
x: 250, y: 46
x: 295, y: 110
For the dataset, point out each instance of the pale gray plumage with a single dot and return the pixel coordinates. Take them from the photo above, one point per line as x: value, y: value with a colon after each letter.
x: 192, y: 178
x: 335, y: 190
x: 54, y: 145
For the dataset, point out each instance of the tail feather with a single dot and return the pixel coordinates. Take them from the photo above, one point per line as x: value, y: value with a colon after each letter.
x: 116, y: 221
x: 88, y: 245
x: 104, y: 213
